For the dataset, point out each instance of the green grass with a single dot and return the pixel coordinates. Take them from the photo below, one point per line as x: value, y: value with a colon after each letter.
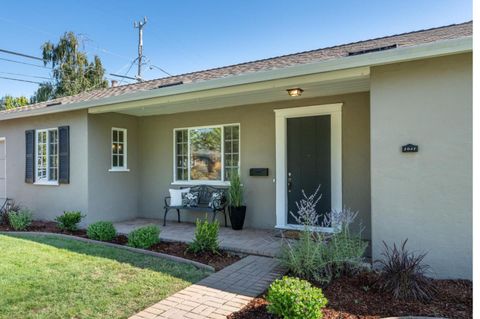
x: 51, y: 277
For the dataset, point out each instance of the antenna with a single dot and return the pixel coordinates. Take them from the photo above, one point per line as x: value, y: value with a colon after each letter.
x: 139, y: 25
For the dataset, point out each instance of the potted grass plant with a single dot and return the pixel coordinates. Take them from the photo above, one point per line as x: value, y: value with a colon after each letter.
x: 235, y: 202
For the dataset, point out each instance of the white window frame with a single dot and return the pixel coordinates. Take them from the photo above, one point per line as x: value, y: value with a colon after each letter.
x: 221, y: 182
x: 123, y: 168
x: 46, y: 181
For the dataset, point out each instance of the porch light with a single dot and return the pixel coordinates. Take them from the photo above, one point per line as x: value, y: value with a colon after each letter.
x: 295, y: 92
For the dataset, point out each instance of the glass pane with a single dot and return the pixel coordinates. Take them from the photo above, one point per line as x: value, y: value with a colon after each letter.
x: 115, y: 135
x: 235, y: 132
x: 228, y: 133
x: 120, y: 148
x: 235, y: 160
x: 120, y: 136
x: 228, y: 147
x: 120, y: 161
x: 181, y: 174
x: 235, y: 146
x: 206, y: 154
x: 179, y: 136
x: 115, y: 160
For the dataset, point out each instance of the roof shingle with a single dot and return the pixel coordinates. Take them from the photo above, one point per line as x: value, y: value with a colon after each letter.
x: 400, y: 40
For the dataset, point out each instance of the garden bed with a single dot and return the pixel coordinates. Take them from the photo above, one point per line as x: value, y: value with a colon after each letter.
x: 217, y: 261
x: 354, y: 298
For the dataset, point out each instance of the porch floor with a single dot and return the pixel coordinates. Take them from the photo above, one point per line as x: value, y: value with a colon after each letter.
x: 261, y: 242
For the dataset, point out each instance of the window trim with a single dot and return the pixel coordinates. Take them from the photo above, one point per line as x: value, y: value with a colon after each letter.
x: 46, y: 181
x: 221, y: 182
x: 123, y: 168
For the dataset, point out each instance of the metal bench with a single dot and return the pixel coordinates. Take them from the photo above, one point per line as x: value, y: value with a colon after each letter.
x: 204, y: 196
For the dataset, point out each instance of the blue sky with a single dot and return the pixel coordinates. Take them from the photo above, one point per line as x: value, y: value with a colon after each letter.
x: 184, y: 36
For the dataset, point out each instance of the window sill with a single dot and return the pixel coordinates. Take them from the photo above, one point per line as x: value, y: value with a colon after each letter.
x: 119, y: 170
x: 193, y: 183
x: 47, y: 183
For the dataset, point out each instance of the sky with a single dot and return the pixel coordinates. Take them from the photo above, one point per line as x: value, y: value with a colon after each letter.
x: 183, y: 36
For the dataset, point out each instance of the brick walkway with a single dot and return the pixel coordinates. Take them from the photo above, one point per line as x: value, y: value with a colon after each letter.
x: 220, y: 294
x: 261, y: 242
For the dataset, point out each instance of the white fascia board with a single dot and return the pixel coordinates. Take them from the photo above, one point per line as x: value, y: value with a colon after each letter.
x: 401, y: 54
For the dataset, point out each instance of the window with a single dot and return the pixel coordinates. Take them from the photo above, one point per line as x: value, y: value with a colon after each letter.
x: 207, y: 153
x: 119, y: 149
x: 46, y: 155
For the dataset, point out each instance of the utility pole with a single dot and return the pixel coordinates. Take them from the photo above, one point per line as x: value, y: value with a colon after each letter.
x: 139, y: 25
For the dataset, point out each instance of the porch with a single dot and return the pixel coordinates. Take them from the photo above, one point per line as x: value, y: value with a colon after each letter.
x: 261, y: 242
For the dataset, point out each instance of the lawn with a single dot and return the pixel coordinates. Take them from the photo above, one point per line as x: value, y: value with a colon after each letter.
x: 50, y: 277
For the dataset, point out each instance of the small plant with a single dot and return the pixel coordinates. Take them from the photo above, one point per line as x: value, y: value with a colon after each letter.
x: 320, y: 256
x: 403, y: 274
x: 235, y: 191
x: 20, y: 220
x: 104, y: 231
x: 8, y: 206
x: 69, y: 220
x: 144, y: 237
x: 206, y: 237
x: 293, y: 298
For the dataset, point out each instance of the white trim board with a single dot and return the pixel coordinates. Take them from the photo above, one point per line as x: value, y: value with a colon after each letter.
x: 281, y: 116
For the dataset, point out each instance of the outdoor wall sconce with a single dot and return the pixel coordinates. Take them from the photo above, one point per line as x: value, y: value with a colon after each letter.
x: 295, y: 92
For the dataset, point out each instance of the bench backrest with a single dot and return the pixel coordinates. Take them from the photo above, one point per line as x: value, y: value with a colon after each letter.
x: 205, y: 192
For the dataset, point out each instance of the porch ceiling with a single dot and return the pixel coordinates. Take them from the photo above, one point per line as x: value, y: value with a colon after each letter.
x: 322, y: 84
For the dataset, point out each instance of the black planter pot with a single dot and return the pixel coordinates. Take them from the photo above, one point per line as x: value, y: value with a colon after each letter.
x: 237, y: 216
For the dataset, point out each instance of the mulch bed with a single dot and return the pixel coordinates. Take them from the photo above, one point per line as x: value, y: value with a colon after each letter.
x: 217, y: 261
x: 354, y: 298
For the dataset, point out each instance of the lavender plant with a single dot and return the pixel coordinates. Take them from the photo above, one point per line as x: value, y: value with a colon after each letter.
x: 320, y: 256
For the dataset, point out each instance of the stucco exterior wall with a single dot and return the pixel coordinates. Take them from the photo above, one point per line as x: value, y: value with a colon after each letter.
x: 257, y: 150
x: 425, y: 196
x: 112, y: 196
x: 46, y: 202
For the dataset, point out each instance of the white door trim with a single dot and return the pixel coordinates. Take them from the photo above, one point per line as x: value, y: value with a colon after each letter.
x: 281, y: 116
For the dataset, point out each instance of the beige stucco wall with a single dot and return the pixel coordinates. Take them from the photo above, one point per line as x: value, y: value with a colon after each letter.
x: 112, y: 196
x: 257, y: 150
x: 46, y: 202
x: 425, y: 196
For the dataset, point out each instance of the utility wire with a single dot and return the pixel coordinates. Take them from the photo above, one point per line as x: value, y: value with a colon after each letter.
x: 27, y: 75
x: 21, y: 54
x: 25, y: 63
x: 20, y: 80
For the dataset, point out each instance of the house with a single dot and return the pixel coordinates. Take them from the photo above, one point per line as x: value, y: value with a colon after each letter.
x: 384, y: 125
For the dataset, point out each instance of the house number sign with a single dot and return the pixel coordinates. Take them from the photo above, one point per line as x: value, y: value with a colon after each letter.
x: 409, y: 148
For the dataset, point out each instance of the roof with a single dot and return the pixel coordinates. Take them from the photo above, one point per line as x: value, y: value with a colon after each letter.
x: 449, y: 32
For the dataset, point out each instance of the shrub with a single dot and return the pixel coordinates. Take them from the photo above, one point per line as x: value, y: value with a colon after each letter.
x: 20, y: 220
x: 69, y: 220
x: 104, y: 231
x: 8, y: 206
x: 319, y: 256
x: 206, y: 237
x: 403, y: 274
x: 144, y: 237
x: 293, y: 298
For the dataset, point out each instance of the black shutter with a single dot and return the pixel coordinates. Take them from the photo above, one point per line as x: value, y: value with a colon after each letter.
x: 30, y: 156
x: 64, y: 154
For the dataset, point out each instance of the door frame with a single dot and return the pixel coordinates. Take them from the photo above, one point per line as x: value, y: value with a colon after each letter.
x: 281, y: 116
x: 4, y: 141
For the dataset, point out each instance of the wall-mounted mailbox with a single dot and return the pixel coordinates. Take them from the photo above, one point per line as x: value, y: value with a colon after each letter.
x: 258, y: 171
x: 409, y: 148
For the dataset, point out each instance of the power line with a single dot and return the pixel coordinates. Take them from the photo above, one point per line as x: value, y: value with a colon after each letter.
x: 21, y: 54
x: 27, y: 75
x: 20, y: 80
x: 159, y: 68
x: 25, y: 63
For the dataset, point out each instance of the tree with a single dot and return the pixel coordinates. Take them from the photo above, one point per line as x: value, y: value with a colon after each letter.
x: 9, y: 102
x: 72, y: 72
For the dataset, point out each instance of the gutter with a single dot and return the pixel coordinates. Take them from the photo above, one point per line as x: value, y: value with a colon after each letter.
x: 401, y: 54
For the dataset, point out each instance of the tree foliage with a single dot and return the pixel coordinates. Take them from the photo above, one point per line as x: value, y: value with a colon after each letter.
x: 9, y: 102
x: 72, y: 72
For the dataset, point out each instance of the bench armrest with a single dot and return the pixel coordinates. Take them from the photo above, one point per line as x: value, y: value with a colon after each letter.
x: 167, y: 201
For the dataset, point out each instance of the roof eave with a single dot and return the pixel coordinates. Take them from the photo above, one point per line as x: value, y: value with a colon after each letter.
x: 401, y: 54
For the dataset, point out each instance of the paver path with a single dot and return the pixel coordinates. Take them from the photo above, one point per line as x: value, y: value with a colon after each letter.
x: 220, y: 294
